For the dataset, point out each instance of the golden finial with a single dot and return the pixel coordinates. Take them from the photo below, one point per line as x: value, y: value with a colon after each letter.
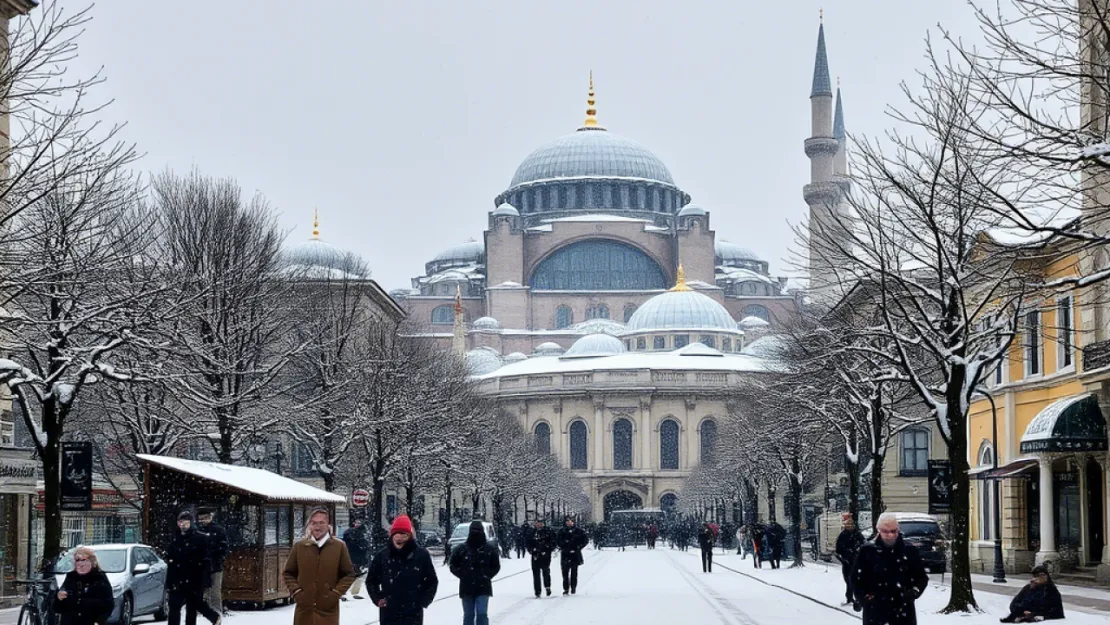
x: 680, y: 281
x: 315, y: 223
x: 591, y: 110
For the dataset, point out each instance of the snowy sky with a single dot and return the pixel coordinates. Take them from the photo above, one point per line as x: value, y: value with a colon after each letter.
x: 401, y: 121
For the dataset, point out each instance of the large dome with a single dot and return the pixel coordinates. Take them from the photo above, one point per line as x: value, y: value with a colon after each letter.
x: 471, y: 251
x: 730, y: 252
x: 681, y: 310
x: 591, y: 152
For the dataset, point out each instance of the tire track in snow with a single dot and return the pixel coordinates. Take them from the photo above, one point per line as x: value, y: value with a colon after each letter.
x: 793, y: 592
x: 583, y: 582
x: 455, y: 595
x: 713, y: 599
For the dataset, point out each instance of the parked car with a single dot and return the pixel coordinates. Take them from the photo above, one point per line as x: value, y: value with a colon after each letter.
x: 429, y: 538
x: 462, y: 530
x: 137, y: 575
x: 923, y: 531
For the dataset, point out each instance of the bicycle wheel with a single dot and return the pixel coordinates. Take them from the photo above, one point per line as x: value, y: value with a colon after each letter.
x: 28, y: 615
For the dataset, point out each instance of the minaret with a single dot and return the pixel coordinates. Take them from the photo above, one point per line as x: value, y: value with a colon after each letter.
x: 840, y: 163
x: 458, y: 341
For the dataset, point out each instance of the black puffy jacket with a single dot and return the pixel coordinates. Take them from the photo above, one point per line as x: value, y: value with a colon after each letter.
x: 187, y: 559
x: 89, y: 599
x: 405, y: 578
x: 475, y: 563
x: 887, y: 580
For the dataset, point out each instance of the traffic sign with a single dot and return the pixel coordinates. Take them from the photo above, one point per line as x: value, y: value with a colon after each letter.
x: 360, y: 498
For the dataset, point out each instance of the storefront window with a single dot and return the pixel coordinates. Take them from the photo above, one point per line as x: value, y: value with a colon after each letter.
x: 242, y: 526
x: 271, y: 527
x: 1067, y: 509
x: 298, y: 522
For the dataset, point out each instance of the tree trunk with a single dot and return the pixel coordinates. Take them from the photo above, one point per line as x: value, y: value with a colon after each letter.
x: 52, y: 507
x: 771, y: 518
x: 378, y: 534
x: 878, y: 420
x: 963, y: 595
x: 853, y: 476
x: 329, y: 480
x: 447, y: 526
x: 796, y: 509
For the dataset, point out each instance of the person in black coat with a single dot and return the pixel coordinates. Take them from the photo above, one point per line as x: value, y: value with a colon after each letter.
x: 85, y: 597
x: 541, y: 544
x: 218, y: 550
x: 776, y: 540
x: 888, y: 577
x: 358, y: 546
x: 571, y: 540
x: 705, y: 541
x: 475, y: 563
x: 1038, y: 601
x: 847, y: 548
x: 402, y: 579
x: 188, y: 573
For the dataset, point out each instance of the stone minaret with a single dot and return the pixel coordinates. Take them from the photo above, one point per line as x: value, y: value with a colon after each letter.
x: 458, y: 339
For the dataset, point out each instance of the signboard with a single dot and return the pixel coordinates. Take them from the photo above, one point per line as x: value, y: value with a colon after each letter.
x: 360, y: 498
x: 76, y: 476
x: 940, y: 486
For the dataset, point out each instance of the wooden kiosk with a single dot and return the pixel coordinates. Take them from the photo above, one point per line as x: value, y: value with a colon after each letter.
x: 263, y: 513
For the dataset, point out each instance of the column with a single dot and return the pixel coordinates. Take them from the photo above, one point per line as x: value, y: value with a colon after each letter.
x: 647, y: 436
x: 1084, y: 513
x: 1048, y: 512
x: 599, y: 436
x: 1104, y: 568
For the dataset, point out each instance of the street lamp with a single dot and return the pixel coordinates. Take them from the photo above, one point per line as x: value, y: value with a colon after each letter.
x: 999, y: 569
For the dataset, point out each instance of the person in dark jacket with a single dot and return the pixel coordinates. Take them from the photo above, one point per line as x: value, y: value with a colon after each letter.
x: 705, y: 541
x: 188, y: 574
x: 776, y: 540
x: 519, y: 545
x: 888, y: 577
x: 756, y: 538
x: 847, y: 547
x: 475, y: 563
x: 571, y: 540
x: 541, y: 544
x: 85, y: 597
x: 358, y: 545
x: 402, y: 580
x: 1038, y: 601
x: 218, y: 549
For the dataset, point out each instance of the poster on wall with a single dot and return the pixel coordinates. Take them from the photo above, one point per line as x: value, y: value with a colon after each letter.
x: 77, y: 476
x: 940, y: 486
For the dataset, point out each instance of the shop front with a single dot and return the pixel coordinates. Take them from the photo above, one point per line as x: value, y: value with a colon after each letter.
x: 18, y: 478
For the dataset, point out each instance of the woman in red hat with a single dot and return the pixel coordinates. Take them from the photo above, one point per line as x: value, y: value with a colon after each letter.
x: 402, y: 579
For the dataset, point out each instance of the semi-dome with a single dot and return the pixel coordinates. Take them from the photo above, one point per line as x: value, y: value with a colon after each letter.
x: 514, y: 357
x: 595, y: 345
x: 691, y: 210
x: 681, y: 310
x: 486, y: 323
x: 752, y: 322
x: 768, y: 347
x: 506, y: 210
x: 482, y: 361
x: 591, y: 152
x: 548, y: 349
x: 471, y: 251
x: 730, y: 252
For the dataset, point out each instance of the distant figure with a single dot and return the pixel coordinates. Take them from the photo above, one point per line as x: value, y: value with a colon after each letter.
x: 85, y: 597
x: 705, y: 542
x: 541, y: 544
x: 847, y: 548
x: 652, y: 535
x: 776, y: 538
x: 571, y: 540
x: 318, y: 572
x: 1039, y: 600
x: 888, y: 577
x: 358, y: 545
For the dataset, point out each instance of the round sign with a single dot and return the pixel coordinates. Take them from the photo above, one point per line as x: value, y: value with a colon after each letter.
x: 360, y: 498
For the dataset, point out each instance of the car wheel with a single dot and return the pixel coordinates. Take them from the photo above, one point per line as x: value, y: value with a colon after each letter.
x: 163, y: 610
x: 126, y: 611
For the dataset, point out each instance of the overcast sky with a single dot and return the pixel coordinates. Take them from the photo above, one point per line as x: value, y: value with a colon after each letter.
x: 401, y: 121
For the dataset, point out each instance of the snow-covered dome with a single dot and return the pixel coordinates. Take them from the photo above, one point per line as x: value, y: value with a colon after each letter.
x: 691, y: 210
x: 599, y: 326
x: 769, y: 347
x: 482, y: 360
x: 681, y: 310
x: 486, y: 323
x: 315, y: 257
x: 548, y: 349
x: 506, y: 210
x: 595, y: 345
x: 728, y: 253
x: 471, y: 251
x: 591, y: 153
x: 514, y: 357
x: 752, y: 322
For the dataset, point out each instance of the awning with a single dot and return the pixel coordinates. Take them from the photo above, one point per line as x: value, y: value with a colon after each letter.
x: 1071, y: 424
x: 1018, y: 468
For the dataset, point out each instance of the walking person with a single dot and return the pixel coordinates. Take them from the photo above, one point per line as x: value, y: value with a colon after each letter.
x: 652, y: 535
x: 541, y: 544
x: 571, y: 541
x: 475, y: 563
x: 705, y: 541
x: 776, y: 536
x: 847, y: 548
x: 520, y: 540
x: 218, y: 549
x: 742, y: 541
x: 402, y: 579
x: 358, y: 546
x: 85, y: 597
x: 188, y: 574
x: 888, y: 577
x: 756, y: 539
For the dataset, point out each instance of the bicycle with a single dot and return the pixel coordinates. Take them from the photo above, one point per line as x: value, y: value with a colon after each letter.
x: 38, y: 609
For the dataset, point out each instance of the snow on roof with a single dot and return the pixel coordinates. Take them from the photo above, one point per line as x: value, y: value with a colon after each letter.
x: 740, y: 274
x: 597, y: 217
x: 265, y: 484
x: 631, y: 360
x: 541, y: 228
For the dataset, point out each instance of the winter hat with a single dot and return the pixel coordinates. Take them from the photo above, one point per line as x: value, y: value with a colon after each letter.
x: 401, y: 524
x: 477, y: 535
x: 185, y: 516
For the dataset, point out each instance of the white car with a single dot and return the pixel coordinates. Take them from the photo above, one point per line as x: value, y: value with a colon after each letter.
x: 137, y: 575
x: 462, y: 530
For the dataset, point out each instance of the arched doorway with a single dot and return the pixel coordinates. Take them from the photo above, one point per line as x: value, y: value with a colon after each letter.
x: 669, y: 503
x: 621, y: 500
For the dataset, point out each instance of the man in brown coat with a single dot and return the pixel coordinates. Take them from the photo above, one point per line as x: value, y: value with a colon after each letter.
x: 318, y: 572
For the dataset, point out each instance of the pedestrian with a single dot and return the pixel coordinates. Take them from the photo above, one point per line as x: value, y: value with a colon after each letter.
x: 218, y: 549
x: 652, y: 535
x: 705, y: 541
x: 358, y: 546
x: 888, y: 577
x: 571, y: 541
x: 1039, y: 600
x: 541, y: 544
x: 776, y: 537
x: 188, y: 574
x: 402, y: 579
x: 599, y: 535
x: 520, y: 542
x: 741, y: 541
x: 847, y: 548
x: 757, y: 545
x: 85, y: 597
x: 318, y: 572
x: 475, y: 563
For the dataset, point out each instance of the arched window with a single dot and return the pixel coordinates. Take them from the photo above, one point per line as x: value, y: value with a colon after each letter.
x: 578, y: 446
x: 914, y: 459
x: 629, y: 310
x: 443, y: 314
x: 668, y: 444
x: 542, y: 435
x: 600, y: 311
x: 708, y: 439
x: 564, y: 317
x: 598, y: 265
x: 668, y: 503
x: 622, y: 444
x: 986, y: 495
x: 755, y: 310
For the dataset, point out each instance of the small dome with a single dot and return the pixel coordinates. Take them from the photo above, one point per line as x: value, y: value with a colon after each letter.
x: 751, y: 322
x: 681, y: 310
x: 595, y: 345
x: 769, y: 347
x: 486, y: 323
x: 548, y: 349
x: 691, y: 210
x: 471, y: 251
x: 730, y: 252
x: 591, y: 153
x: 514, y: 357
x: 506, y: 210
x: 315, y: 254
x: 482, y: 361
x: 599, y: 326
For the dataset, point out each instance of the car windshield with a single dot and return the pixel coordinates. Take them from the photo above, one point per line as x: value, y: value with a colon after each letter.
x: 919, y: 529
x: 461, y: 531
x: 111, y: 561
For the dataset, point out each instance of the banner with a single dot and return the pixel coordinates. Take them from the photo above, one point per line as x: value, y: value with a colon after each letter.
x: 77, y: 464
x: 940, y: 486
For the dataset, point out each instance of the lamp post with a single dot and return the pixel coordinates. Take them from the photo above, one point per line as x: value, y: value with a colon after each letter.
x: 999, y: 569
